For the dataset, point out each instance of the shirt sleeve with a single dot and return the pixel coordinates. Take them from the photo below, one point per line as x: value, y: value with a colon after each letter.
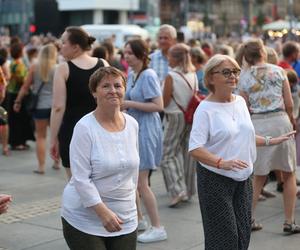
x: 80, y: 151
x: 200, y: 129
x: 283, y: 75
x: 135, y: 177
x: 151, y: 87
x: 129, y: 86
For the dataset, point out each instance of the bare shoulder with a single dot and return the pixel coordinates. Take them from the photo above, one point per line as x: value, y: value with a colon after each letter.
x: 62, y: 70
x: 105, y: 63
x: 62, y: 66
x: 169, y: 79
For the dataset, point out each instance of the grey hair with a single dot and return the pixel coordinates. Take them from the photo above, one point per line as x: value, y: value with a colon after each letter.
x: 170, y: 29
x: 214, y: 62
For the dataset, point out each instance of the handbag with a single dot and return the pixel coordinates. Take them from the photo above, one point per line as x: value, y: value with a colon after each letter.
x: 3, y: 115
x: 33, y: 99
x: 192, y: 104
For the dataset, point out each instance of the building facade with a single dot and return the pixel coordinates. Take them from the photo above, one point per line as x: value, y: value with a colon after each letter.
x: 224, y: 16
x: 17, y: 17
x: 98, y: 11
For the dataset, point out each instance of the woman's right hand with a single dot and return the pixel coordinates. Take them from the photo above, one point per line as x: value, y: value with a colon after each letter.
x: 54, y: 149
x: 233, y: 165
x: 110, y: 221
x: 17, y: 107
x: 5, y: 200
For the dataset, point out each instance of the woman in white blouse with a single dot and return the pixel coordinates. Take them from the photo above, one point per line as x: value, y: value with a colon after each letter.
x: 223, y: 142
x: 99, y: 210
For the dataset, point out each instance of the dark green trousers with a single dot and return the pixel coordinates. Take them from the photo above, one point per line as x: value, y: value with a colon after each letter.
x: 78, y: 240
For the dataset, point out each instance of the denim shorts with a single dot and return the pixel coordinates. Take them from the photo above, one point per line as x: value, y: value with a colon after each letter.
x: 41, y: 114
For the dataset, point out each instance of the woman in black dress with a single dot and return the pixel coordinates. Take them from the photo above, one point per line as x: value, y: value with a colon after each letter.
x: 71, y: 95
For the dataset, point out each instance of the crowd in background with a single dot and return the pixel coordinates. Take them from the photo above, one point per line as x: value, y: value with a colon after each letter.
x: 160, y: 77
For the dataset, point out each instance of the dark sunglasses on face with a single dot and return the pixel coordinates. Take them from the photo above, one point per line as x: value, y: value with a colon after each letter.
x: 228, y: 72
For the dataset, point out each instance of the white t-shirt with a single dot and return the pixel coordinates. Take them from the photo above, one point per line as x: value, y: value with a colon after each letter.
x: 226, y: 130
x: 104, y: 169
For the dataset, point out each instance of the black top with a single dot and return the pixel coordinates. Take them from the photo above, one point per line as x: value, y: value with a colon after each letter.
x: 79, y: 102
x: 79, y: 99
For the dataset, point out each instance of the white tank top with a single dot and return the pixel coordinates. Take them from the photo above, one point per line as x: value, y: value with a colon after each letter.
x: 181, y: 91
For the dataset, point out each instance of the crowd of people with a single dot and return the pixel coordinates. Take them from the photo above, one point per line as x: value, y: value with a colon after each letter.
x: 117, y: 114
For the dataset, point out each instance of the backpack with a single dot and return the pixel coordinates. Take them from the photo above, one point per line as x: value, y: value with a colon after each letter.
x: 193, y: 103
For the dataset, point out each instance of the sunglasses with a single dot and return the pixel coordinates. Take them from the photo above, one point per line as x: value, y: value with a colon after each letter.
x: 227, y: 72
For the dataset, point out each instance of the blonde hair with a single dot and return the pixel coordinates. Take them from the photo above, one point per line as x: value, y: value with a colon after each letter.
x: 253, y: 51
x: 180, y: 52
x: 47, y: 59
x: 214, y: 62
x: 272, y: 56
x: 239, y: 55
x: 225, y: 49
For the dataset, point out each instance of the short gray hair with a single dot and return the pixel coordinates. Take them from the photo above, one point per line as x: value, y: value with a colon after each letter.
x: 214, y: 62
x: 170, y: 29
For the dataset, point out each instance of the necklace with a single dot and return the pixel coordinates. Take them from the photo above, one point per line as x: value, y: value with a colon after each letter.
x: 231, y: 113
x: 136, y: 77
x: 224, y: 106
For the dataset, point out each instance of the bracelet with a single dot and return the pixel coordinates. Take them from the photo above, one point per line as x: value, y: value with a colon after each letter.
x: 218, y: 163
x: 268, y: 140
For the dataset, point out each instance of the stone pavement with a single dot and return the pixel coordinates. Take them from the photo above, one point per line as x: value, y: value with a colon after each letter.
x: 33, y: 221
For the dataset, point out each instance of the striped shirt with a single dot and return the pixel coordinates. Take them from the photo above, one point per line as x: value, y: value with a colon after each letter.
x: 159, y: 63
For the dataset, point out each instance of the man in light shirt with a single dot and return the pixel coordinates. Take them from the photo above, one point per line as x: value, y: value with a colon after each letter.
x: 159, y: 62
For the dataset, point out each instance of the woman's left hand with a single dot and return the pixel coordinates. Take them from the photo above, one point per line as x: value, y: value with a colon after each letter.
x: 282, y: 138
x: 110, y: 221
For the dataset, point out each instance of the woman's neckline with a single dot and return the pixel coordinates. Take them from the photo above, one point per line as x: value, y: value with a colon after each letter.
x: 106, y: 130
x: 84, y: 68
x: 235, y: 99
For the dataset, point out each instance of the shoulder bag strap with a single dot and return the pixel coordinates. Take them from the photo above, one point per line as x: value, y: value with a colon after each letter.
x: 184, y: 79
x: 40, y: 88
x: 194, y: 90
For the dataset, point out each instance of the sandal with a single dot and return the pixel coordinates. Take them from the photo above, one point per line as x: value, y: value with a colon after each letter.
x: 20, y: 147
x: 255, y: 226
x: 5, y: 152
x: 56, y: 167
x: 268, y: 194
x: 261, y: 198
x: 291, y: 228
x: 38, y: 172
x: 178, y: 199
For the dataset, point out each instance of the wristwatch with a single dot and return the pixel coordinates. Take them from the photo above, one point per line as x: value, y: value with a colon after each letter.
x: 267, y: 140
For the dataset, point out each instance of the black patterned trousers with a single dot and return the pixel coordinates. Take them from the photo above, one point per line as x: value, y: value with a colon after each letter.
x: 225, y: 206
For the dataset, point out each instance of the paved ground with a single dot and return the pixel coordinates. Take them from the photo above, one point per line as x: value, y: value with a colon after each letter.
x: 33, y: 221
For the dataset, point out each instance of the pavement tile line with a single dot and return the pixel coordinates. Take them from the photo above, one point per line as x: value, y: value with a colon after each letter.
x: 25, y: 211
